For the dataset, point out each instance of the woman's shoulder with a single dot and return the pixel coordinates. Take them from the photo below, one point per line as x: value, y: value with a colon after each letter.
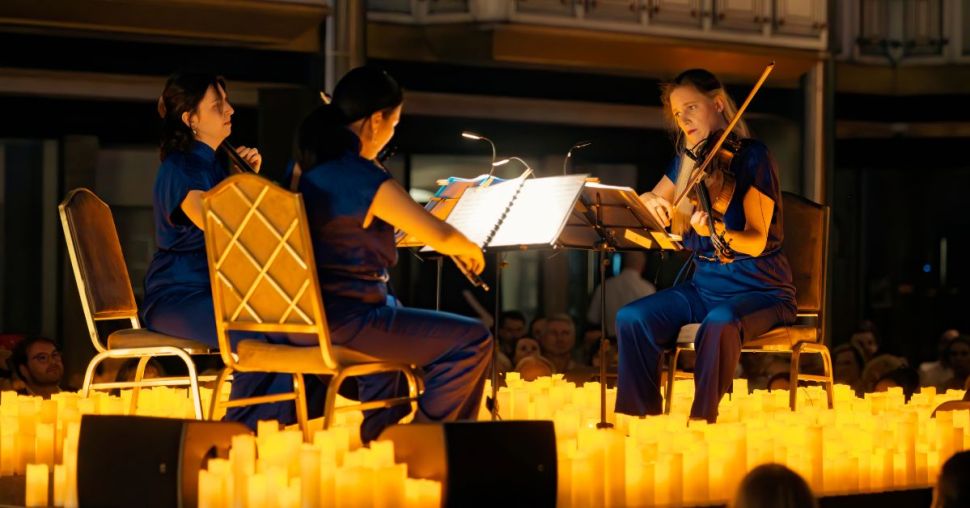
x: 751, y: 147
x: 350, y: 166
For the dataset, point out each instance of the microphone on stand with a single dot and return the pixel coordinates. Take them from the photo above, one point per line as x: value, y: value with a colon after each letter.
x: 569, y: 154
x: 478, y: 137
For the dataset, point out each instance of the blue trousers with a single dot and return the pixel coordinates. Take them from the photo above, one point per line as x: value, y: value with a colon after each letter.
x: 453, y: 352
x: 189, y: 313
x: 649, y: 325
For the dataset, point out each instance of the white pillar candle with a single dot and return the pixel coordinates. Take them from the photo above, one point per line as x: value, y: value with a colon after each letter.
x: 44, y: 451
x: 60, y: 485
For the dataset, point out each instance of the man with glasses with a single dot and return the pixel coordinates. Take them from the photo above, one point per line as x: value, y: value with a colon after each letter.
x: 37, y: 362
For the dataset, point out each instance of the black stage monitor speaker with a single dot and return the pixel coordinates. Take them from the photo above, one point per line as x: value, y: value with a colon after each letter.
x: 508, y: 463
x: 140, y: 461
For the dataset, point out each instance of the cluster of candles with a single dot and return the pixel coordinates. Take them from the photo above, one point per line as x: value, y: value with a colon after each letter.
x: 39, y: 438
x: 276, y: 468
x: 875, y: 443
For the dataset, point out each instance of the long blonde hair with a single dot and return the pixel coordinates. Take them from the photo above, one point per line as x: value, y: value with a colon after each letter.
x: 706, y: 83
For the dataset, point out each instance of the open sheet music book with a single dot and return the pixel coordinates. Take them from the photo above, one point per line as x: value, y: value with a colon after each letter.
x: 516, y: 212
x: 444, y: 200
x: 621, y: 215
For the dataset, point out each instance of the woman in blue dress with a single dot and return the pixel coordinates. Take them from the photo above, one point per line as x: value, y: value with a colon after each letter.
x: 353, y: 206
x: 733, y: 301
x: 196, y: 119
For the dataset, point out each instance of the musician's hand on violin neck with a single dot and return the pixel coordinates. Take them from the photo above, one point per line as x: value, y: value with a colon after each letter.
x: 251, y: 156
x: 700, y: 223
x: 658, y: 206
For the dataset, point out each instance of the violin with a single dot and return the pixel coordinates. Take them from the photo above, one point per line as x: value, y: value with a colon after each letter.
x: 713, y: 168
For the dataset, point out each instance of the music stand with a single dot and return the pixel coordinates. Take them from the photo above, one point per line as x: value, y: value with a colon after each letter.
x: 608, y: 219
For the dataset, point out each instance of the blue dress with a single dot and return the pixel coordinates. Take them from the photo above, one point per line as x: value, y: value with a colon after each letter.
x: 352, y: 262
x: 733, y: 302
x: 178, y: 297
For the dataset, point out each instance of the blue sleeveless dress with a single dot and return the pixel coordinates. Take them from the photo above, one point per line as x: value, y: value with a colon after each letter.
x: 352, y: 262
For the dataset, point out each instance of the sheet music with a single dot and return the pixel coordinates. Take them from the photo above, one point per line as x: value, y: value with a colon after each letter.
x: 480, y: 210
x: 539, y: 212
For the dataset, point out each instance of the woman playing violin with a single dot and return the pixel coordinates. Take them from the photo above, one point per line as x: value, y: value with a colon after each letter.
x: 734, y: 301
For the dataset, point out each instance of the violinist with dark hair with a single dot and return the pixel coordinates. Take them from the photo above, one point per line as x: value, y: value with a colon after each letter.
x: 742, y: 285
x: 353, y: 206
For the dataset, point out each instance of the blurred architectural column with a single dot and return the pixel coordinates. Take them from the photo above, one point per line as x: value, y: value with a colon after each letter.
x: 345, y: 39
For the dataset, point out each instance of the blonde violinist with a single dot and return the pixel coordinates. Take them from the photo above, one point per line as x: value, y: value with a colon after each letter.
x: 742, y: 283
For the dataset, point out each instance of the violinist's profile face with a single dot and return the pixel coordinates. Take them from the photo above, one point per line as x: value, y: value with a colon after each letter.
x: 212, y: 120
x: 696, y: 114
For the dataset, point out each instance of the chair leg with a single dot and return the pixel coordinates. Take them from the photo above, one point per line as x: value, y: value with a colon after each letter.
x: 136, y: 389
x: 830, y: 384
x: 793, y: 377
x: 217, y: 392
x: 89, y: 373
x: 331, y: 401
x: 299, y: 387
x: 413, y: 392
x: 193, y: 383
x: 671, y: 374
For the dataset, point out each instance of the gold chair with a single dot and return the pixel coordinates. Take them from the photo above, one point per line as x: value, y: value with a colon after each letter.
x: 806, y: 246
x: 105, y: 290
x: 264, y: 279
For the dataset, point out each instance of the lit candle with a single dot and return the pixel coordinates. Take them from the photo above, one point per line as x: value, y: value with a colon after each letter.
x: 60, y: 485
x: 36, y: 494
x: 44, y: 452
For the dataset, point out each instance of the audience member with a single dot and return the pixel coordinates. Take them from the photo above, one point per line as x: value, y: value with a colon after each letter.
x: 525, y: 346
x: 153, y: 369
x: 906, y: 378
x: 866, y: 339
x: 957, y: 356
x: 511, y: 326
x: 538, y: 327
x: 37, y: 362
x: 558, y: 341
x: 877, y: 367
x: 773, y: 486
x: 847, y: 366
x: 534, y: 366
x: 953, y: 485
x: 938, y: 372
x: 779, y: 381
x: 628, y: 286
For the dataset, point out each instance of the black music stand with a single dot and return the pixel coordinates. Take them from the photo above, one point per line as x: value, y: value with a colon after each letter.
x: 608, y: 219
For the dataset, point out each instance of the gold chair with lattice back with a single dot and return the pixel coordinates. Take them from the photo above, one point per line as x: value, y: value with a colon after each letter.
x: 264, y: 279
x: 106, y: 295
x: 806, y: 247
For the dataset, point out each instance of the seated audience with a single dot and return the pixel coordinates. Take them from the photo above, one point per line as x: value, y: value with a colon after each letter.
x: 904, y: 377
x: 537, y: 327
x: 153, y: 369
x: 628, y: 286
x: 779, y: 381
x: 533, y: 366
x: 558, y: 341
x: 773, y: 486
x: 938, y: 372
x: 511, y: 326
x: 847, y: 365
x: 37, y: 362
x: 953, y: 486
x: 525, y: 346
x: 877, y: 367
x: 957, y: 355
x: 866, y: 339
